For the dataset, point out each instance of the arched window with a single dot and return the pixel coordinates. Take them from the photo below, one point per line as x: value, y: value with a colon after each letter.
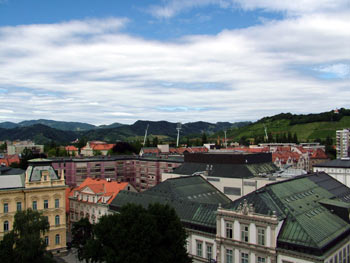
x: 57, y: 239
x: 57, y: 220
x: 6, y: 226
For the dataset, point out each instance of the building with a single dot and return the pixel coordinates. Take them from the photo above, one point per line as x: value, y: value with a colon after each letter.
x: 39, y: 188
x: 195, y: 201
x: 234, y: 174
x: 72, y: 150
x: 141, y: 172
x: 304, y: 219
x: 92, y: 197
x: 165, y: 150
x: 342, y: 143
x: 339, y: 169
x: 7, y: 160
x: 19, y: 146
x: 96, y: 148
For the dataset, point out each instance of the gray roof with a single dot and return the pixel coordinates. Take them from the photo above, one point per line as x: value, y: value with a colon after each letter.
x: 227, y: 170
x: 335, y: 163
x: 10, y: 171
x: 35, y: 172
x: 11, y: 181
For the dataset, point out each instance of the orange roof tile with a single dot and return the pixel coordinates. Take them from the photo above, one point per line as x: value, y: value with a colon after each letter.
x: 103, y: 147
x: 71, y: 148
x: 99, y: 186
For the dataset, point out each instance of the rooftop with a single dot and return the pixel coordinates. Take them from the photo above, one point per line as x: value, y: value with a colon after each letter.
x: 307, y: 223
x: 193, y: 198
x: 341, y: 163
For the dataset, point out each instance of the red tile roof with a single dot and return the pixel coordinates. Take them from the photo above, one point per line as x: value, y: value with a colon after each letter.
x: 9, y: 159
x: 102, y: 187
x: 103, y: 147
x: 71, y: 148
x: 319, y: 154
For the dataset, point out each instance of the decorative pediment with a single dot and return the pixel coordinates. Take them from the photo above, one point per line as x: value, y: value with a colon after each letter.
x: 87, y: 190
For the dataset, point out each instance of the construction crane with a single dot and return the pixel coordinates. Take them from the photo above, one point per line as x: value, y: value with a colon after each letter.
x: 266, y: 136
x: 178, y: 128
x: 144, y: 140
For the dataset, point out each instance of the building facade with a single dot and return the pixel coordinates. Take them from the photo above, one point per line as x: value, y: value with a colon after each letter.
x: 141, y: 172
x: 39, y: 188
x: 342, y: 143
x: 91, y: 199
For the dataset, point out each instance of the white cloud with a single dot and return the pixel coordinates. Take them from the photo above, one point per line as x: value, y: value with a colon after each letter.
x: 171, y: 8
x: 89, y: 71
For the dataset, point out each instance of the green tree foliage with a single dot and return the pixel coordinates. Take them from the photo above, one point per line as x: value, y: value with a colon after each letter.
x: 204, y: 138
x: 155, y: 141
x: 126, y: 148
x: 147, y: 143
x: 3, y: 147
x: 136, y: 234
x: 25, y: 243
x: 81, y: 233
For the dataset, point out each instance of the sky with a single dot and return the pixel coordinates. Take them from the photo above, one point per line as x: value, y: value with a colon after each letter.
x: 106, y: 61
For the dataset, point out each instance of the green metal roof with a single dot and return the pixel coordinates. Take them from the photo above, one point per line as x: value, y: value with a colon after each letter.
x: 298, y: 201
x: 193, y: 198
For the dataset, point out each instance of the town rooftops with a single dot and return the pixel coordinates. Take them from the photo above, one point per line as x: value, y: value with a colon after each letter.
x: 308, y: 226
x: 341, y: 163
x: 193, y: 198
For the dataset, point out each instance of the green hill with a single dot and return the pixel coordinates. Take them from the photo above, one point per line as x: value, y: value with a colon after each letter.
x: 309, y: 127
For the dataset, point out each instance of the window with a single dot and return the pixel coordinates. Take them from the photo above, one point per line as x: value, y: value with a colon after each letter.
x: 199, y: 249
x: 57, y: 203
x: 228, y: 230
x: 244, y: 258
x: 245, y: 233
x: 229, y: 256
x: 57, y: 239
x: 261, y: 236
x: 209, y: 251
x: 19, y: 206
x: 46, y: 204
x: 340, y: 257
x: 6, y: 208
x: 261, y: 259
x: 34, y: 205
x: 57, y: 220
x: 46, y: 240
x: 6, y: 226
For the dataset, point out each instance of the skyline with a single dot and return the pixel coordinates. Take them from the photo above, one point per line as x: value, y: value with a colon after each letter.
x: 181, y: 61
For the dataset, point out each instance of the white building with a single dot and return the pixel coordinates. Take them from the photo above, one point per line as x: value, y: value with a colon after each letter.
x: 339, y: 169
x: 342, y: 142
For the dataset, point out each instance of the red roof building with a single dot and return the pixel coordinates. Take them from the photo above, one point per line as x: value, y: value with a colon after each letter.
x: 92, y: 197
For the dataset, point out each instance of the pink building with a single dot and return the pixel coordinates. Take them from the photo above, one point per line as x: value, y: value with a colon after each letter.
x: 141, y: 172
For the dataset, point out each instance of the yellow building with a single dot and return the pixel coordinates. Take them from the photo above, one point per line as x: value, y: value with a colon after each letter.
x: 39, y: 188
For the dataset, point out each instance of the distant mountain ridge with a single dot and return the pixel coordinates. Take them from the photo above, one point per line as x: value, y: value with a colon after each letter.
x: 65, y: 132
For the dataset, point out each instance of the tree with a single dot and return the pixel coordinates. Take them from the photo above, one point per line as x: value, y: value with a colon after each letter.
x: 156, y: 232
x: 81, y: 233
x: 155, y: 141
x: 25, y: 243
x: 204, y: 138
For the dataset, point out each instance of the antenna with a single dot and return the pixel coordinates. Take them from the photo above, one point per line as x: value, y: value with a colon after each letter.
x: 144, y: 140
x: 266, y: 136
x: 178, y: 128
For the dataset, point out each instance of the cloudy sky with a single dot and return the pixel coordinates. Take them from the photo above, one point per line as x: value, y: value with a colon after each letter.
x: 105, y: 61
